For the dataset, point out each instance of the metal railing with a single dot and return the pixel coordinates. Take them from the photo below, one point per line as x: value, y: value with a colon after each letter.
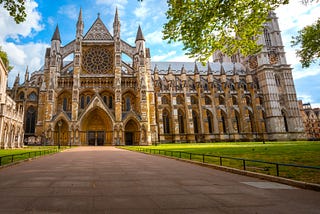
x: 203, y: 157
x: 6, y: 159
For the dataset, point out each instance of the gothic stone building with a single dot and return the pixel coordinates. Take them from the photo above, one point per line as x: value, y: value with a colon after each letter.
x: 311, y: 120
x: 99, y: 98
x: 11, y: 115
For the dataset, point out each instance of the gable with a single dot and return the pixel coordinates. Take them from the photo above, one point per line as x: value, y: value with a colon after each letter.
x: 98, y: 31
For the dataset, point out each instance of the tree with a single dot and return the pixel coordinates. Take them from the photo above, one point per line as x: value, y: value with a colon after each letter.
x: 5, y: 60
x: 309, y: 40
x: 205, y: 26
x: 16, y: 9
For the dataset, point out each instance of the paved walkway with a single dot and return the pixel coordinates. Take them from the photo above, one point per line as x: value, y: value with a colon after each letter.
x: 109, y: 180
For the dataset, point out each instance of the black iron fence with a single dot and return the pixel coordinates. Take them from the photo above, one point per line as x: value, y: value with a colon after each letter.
x: 6, y: 159
x: 220, y: 160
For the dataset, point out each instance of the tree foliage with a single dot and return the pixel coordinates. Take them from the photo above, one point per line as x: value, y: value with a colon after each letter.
x: 16, y: 9
x: 5, y: 60
x: 205, y: 26
x: 309, y: 40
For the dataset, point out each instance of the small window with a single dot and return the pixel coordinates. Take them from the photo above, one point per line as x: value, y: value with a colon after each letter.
x: 82, y: 102
x: 88, y: 100
x: 164, y: 100
x: 65, y: 103
x: 33, y: 96
x: 207, y: 100
x: 110, y: 104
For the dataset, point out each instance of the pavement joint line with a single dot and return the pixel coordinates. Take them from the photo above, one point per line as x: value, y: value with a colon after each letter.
x: 299, y: 184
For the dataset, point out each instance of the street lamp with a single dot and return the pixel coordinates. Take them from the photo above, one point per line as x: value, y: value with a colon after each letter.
x: 59, y: 125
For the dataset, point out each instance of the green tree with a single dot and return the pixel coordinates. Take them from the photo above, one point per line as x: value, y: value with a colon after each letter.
x: 309, y: 41
x: 5, y: 60
x: 205, y: 26
x: 16, y: 9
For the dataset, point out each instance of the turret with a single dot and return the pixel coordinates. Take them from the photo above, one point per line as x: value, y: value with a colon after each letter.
x: 56, y: 41
x: 80, y: 25
x: 140, y: 42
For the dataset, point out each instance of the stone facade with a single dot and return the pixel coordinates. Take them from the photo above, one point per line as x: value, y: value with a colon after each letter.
x: 311, y: 120
x: 98, y: 98
x: 11, y: 115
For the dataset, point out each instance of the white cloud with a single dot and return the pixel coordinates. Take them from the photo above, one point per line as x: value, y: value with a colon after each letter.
x: 71, y: 11
x: 142, y: 11
x: 163, y: 57
x: 299, y: 73
x: 181, y: 58
x: 21, y: 55
x: 120, y: 4
x: 27, y: 28
x: 154, y: 38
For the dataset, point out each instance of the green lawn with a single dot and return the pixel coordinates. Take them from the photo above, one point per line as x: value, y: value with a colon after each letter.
x: 24, y: 153
x: 299, y: 153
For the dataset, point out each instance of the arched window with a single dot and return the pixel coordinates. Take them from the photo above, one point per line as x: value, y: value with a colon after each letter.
x: 248, y: 100
x: 82, y: 102
x: 179, y: 100
x: 128, y: 104
x: 234, y: 100
x: 207, y: 100
x: 164, y: 100
x: 33, y: 96
x: 181, y: 121
x: 195, y: 122
x: 166, y: 122
x: 277, y: 78
x: 209, y: 117
x: 251, y: 118
x: 64, y: 104
x: 223, y: 121
x: 21, y: 96
x: 221, y: 100
x: 237, y: 118
x: 31, y: 120
x: 285, y: 121
x: 88, y: 99
x: 110, y: 104
x: 267, y: 38
x: 194, y: 100
x: 105, y: 99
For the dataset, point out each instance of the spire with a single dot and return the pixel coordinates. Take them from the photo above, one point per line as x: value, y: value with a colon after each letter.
x: 26, y: 77
x: 196, y: 70
x: 140, y: 35
x: 116, y: 17
x: 80, y: 24
x: 56, y: 35
x: 80, y: 16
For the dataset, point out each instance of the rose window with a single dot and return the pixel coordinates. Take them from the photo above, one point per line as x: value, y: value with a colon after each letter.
x: 98, y: 61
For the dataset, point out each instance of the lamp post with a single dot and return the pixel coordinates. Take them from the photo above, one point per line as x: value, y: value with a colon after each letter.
x: 59, y: 125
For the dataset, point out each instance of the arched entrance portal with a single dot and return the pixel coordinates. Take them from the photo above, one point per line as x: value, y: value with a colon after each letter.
x: 96, y: 128
x: 131, y: 134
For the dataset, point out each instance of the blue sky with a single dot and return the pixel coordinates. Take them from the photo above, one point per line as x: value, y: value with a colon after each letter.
x: 26, y: 43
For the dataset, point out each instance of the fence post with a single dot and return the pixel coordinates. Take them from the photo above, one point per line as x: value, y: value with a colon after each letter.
x: 190, y: 156
x: 277, y: 168
x: 202, y: 158
x: 0, y: 161
x: 220, y: 161
x: 180, y: 154
x: 244, y: 164
x: 11, y: 158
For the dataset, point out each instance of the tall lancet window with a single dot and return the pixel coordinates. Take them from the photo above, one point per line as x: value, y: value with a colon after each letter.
x: 267, y: 37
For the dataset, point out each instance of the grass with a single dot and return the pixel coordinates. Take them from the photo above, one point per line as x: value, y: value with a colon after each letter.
x: 13, y: 155
x: 298, y: 153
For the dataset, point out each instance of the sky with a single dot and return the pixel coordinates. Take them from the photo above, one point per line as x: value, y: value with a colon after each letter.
x: 25, y: 43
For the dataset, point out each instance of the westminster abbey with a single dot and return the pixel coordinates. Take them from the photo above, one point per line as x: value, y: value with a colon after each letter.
x: 98, y: 98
